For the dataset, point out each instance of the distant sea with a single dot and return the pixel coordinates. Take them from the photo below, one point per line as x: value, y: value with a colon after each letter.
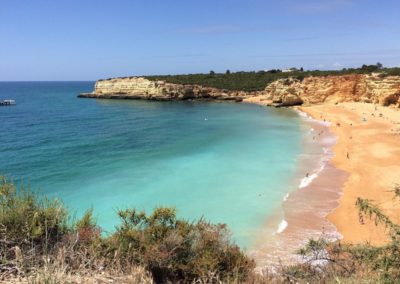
x: 231, y: 163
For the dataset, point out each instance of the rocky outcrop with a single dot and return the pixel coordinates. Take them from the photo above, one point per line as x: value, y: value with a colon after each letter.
x: 284, y: 92
x: 141, y: 88
x: 346, y: 88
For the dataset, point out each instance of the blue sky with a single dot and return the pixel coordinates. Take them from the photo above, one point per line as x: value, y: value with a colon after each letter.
x: 91, y: 39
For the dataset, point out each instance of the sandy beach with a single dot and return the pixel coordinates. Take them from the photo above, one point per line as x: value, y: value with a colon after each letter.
x: 368, y: 149
x: 314, y: 192
x: 363, y: 161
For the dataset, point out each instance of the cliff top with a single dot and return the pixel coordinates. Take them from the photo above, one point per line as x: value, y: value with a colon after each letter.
x: 256, y: 81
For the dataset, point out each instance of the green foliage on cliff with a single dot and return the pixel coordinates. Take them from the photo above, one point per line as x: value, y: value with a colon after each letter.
x: 257, y: 81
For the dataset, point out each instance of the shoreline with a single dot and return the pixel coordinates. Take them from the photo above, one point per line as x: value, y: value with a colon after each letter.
x: 368, y: 149
x: 364, y: 162
x: 315, y: 193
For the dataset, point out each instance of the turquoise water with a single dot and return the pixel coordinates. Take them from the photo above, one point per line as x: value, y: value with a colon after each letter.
x: 226, y: 162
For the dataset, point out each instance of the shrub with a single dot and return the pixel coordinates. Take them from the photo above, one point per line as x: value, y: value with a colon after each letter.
x: 39, y: 245
x: 27, y: 220
x: 177, y: 250
x: 257, y: 81
x: 37, y: 242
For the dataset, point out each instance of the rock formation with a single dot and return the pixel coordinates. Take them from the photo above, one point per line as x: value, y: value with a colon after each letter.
x: 372, y: 88
x: 313, y: 90
x: 141, y: 88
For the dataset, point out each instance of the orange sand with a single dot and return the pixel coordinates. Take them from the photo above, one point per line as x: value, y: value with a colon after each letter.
x: 368, y: 148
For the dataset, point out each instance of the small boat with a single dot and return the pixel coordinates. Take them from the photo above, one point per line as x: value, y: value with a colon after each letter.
x: 7, y: 102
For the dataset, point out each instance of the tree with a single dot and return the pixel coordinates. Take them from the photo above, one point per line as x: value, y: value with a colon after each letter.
x: 369, y: 68
x: 212, y: 72
x: 228, y: 72
x: 379, y: 65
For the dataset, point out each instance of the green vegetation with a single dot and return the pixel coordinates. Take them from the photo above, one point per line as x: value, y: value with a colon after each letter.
x: 35, y: 235
x: 41, y: 245
x: 257, y: 81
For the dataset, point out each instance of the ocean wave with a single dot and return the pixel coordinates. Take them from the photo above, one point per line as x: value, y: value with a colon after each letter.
x: 282, y: 226
x: 286, y: 197
x: 303, y: 114
x: 309, y: 117
x: 307, y: 180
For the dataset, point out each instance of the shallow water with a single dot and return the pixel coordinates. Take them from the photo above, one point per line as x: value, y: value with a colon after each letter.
x: 316, y: 192
x: 227, y: 162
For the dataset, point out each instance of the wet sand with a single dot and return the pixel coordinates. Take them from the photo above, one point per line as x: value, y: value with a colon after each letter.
x: 315, y: 192
x: 362, y: 160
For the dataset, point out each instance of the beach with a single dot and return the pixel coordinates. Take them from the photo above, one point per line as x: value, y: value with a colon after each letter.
x: 314, y: 192
x: 298, y: 179
x: 368, y: 149
x: 361, y: 145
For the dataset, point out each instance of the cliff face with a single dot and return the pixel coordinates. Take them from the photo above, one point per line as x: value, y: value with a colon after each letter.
x: 141, y: 88
x: 313, y: 90
x: 283, y: 92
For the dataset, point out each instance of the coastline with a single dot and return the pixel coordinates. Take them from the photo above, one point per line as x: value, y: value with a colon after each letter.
x: 362, y: 162
x: 368, y: 149
x: 315, y: 191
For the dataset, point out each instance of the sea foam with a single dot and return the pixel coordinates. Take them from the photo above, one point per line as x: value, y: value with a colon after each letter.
x: 282, y: 226
x: 307, y: 180
x: 304, y: 182
x: 286, y: 197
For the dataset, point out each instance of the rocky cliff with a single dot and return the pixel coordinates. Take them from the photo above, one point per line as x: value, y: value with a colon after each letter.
x: 284, y: 92
x: 313, y: 90
x: 141, y: 88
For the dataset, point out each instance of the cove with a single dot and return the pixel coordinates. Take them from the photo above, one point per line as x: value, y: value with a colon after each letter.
x: 229, y: 163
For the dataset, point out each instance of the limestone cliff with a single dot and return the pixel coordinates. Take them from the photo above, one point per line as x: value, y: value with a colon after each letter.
x: 141, y: 88
x: 284, y: 92
x: 356, y: 87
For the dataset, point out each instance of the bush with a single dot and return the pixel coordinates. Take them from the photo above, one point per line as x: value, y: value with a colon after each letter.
x: 176, y: 250
x: 27, y: 220
x: 257, y: 81
x: 39, y: 245
x: 35, y: 236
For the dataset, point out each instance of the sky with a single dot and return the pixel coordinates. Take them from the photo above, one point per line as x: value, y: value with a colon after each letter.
x: 60, y: 40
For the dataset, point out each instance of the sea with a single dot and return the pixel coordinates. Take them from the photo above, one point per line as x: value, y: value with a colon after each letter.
x: 232, y: 163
